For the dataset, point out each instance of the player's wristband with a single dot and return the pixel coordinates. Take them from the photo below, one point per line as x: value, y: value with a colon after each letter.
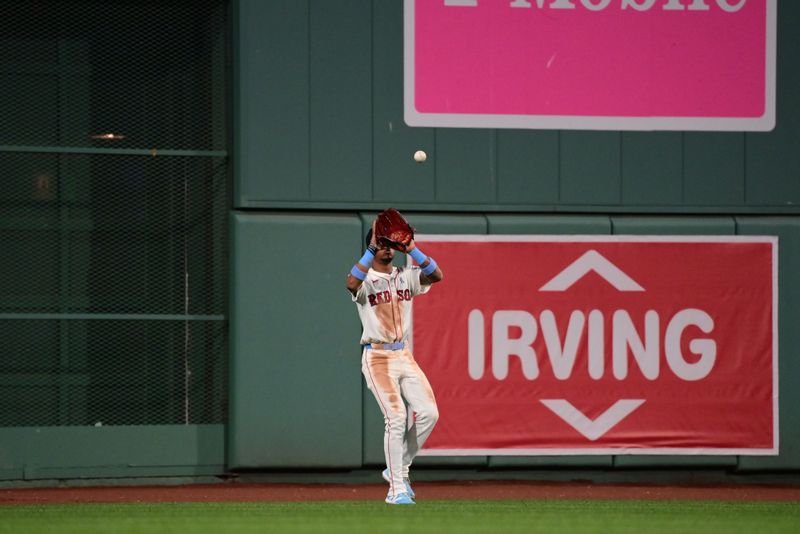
x: 357, y: 273
x: 428, y: 269
x: 369, y: 255
x: 418, y: 256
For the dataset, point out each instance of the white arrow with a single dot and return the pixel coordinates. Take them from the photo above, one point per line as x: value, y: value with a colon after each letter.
x: 602, y: 424
x: 591, y: 261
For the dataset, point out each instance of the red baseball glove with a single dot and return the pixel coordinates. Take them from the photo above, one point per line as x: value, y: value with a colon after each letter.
x: 392, y: 229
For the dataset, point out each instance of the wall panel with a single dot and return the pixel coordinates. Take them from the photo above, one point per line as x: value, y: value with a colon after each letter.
x: 788, y: 232
x: 683, y: 225
x: 549, y: 224
x: 772, y: 161
x: 590, y: 168
x: 527, y: 167
x: 465, y: 166
x: 295, y: 397
x: 652, y: 171
x: 37, y: 453
x: 713, y: 169
x: 271, y: 101
x: 340, y: 105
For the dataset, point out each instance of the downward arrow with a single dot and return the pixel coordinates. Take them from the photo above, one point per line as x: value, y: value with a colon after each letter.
x: 602, y: 424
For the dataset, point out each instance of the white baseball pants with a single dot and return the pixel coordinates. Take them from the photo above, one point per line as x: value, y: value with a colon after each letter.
x: 393, y: 375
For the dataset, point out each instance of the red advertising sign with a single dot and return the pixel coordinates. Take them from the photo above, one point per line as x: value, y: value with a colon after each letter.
x: 538, y: 345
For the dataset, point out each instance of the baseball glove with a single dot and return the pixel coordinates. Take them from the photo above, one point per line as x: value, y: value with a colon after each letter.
x: 392, y: 229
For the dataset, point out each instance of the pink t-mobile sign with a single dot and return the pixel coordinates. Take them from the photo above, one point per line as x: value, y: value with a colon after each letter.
x: 591, y: 64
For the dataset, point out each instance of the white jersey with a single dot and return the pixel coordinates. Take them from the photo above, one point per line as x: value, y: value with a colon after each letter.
x: 384, y: 304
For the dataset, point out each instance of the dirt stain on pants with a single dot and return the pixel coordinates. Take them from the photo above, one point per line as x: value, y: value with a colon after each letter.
x: 392, y: 376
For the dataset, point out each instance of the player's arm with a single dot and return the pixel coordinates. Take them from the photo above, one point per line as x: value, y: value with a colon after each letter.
x: 359, y: 271
x: 430, y: 273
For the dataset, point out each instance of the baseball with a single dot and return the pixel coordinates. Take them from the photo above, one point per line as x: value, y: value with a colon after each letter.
x: 420, y: 156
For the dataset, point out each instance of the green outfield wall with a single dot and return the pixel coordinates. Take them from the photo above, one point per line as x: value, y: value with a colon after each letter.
x: 172, y: 303
x: 297, y: 399
x: 319, y: 125
x: 344, y: 150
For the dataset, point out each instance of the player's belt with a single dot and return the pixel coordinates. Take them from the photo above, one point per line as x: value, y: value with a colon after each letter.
x: 386, y: 346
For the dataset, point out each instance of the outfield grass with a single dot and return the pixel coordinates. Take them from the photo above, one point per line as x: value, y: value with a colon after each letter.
x: 440, y: 517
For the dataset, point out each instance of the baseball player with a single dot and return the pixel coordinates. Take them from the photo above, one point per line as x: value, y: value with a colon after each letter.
x: 383, y: 296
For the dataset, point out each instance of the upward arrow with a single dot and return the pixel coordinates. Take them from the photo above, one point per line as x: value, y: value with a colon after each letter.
x: 591, y: 261
x: 592, y: 429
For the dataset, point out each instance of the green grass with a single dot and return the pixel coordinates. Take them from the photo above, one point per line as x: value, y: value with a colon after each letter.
x: 440, y: 517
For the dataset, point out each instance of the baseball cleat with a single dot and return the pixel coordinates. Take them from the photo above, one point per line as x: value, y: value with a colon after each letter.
x: 400, y: 498
x: 387, y: 478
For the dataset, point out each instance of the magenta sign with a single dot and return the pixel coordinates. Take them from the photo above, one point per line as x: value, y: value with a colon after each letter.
x: 591, y: 64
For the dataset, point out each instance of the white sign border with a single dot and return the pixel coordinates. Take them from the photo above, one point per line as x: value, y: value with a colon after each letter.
x: 764, y: 123
x: 617, y: 451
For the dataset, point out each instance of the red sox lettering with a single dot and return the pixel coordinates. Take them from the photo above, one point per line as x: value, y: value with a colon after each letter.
x: 728, y: 6
x: 380, y: 297
x: 383, y: 297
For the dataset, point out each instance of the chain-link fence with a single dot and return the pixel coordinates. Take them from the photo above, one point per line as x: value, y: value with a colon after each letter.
x: 113, y: 211
x: 151, y: 73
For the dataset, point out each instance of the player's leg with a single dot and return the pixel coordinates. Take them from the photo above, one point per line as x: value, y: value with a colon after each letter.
x: 381, y: 371
x: 418, y: 393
